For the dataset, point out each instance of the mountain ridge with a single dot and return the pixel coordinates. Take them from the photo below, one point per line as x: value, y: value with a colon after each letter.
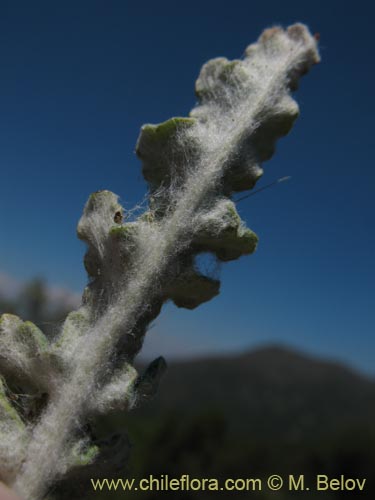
x: 271, y: 387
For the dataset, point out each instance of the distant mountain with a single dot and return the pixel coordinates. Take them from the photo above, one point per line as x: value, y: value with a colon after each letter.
x: 269, y: 386
x: 267, y: 411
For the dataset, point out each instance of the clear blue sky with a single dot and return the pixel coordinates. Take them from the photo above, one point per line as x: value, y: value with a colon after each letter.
x: 78, y: 79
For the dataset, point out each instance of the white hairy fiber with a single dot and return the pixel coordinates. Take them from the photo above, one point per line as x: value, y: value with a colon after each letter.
x: 192, y: 166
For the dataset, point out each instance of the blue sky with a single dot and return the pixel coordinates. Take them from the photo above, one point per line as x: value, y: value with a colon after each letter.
x: 78, y: 79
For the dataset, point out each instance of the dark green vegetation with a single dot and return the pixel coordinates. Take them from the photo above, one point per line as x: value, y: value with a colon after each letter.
x: 270, y: 411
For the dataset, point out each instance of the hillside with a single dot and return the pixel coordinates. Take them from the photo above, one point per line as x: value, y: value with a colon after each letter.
x: 268, y: 386
x: 267, y: 411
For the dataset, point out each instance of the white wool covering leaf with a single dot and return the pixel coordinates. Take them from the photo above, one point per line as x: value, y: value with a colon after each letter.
x: 192, y: 166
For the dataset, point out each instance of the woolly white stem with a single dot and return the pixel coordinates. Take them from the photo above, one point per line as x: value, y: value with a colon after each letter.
x: 47, y: 456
